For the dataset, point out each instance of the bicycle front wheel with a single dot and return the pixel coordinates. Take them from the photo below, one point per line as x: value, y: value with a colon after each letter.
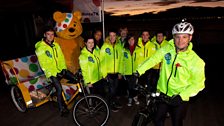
x: 91, y: 110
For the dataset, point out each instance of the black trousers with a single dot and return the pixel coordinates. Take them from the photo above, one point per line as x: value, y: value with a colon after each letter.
x: 122, y: 87
x: 57, y: 84
x: 99, y: 88
x: 112, y: 84
x: 177, y: 113
x: 131, y: 80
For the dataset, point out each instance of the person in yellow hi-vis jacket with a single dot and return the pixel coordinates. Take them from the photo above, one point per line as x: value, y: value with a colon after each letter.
x: 182, y: 74
x: 129, y: 65
x: 123, y: 32
x: 147, y: 48
x: 159, y: 41
x: 52, y: 62
x: 90, y: 66
x: 110, y: 59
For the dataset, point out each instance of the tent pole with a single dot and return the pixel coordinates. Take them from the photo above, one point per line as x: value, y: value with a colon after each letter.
x: 102, y: 6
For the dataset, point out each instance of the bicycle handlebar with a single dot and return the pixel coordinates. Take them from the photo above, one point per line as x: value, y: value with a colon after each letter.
x: 159, y: 96
x: 78, y: 76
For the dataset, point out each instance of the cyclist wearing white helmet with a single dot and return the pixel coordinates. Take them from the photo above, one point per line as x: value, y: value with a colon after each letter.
x: 181, y: 75
x: 182, y: 34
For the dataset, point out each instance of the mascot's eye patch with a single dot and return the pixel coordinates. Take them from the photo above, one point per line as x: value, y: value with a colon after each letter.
x: 66, y: 20
x: 64, y: 25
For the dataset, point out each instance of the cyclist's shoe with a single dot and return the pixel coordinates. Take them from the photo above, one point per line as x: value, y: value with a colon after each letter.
x: 129, y: 102
x: 114, y: 109
x: 136, y: 100
x: 64, y: 112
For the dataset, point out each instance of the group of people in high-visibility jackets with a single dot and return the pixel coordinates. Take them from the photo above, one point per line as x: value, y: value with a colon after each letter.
x: 118, y: 59
x: 170, y: 67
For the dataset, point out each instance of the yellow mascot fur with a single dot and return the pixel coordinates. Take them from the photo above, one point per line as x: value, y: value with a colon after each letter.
x: 68, y: 30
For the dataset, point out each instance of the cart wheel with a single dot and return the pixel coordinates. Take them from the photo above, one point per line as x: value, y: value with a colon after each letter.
x: 17, y: 98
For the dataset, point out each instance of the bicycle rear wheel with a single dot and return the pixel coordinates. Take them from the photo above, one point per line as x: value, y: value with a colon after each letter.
x: 17, y: 99
x: 91, y: 110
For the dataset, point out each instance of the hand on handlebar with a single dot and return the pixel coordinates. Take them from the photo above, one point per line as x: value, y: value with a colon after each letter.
x: 136, y: 74
x: 61, y: 74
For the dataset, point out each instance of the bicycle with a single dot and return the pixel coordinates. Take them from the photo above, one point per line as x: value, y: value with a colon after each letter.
x: 91, y: 109
x: 146, y: 114
x: 30, y: 89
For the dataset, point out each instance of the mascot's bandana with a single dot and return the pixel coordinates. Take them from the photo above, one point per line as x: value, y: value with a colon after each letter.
x: 64, y: 24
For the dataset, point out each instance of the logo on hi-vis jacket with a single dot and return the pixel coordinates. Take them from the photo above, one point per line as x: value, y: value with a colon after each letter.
x: 48, y: 54
x: 107, y: 50
x: 126, y: 55
x: 168, y: 58
x: 90, y: 59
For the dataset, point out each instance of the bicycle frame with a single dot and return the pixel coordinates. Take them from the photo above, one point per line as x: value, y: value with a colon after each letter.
x: 80, y: 86
x: 67, y: 102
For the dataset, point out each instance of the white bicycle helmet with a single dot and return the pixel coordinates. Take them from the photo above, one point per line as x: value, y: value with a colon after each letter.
x: 183, y: 27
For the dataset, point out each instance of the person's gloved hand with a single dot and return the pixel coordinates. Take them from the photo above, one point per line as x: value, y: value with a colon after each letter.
x: 62, y: 73
x: 136, y: 74
x: 59, y: 75
x: 53, y: 79
x: 176, y: 100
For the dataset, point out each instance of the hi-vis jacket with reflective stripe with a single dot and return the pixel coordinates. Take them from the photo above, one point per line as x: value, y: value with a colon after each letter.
x: 51, y: 59
x: 128, y: 61
x: 146, y: 50
x: 181, y: 73
x: 90, y: 65
x: 110, y: 58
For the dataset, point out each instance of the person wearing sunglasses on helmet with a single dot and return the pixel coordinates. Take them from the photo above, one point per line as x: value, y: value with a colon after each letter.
x: 182, y: 74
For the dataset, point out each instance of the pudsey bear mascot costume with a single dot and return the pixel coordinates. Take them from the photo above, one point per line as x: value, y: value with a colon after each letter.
x: 68, y: 29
